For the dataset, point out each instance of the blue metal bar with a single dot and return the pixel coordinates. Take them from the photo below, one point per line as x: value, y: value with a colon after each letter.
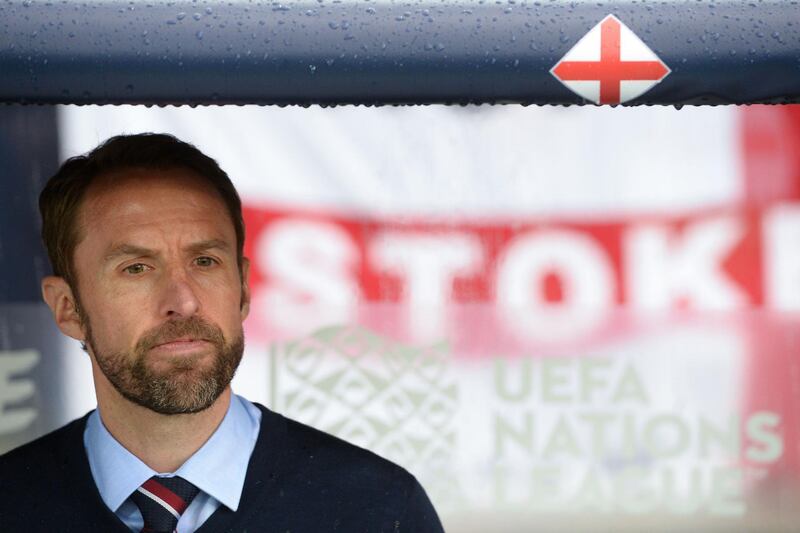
x: 331, y: 52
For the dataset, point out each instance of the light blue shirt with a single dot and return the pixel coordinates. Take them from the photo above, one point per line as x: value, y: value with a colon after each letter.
x: 218, y: 468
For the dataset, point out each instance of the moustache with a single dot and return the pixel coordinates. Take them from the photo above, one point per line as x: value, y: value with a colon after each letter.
x: 193, y: 327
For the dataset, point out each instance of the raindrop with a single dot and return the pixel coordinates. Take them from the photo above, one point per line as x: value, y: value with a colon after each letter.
x: 371, y: 10
x: 312, y: 68
x: 208, y: 11
x: 333, y: 25
x: 181, y: 15
x: 329, y: 62
x: 439, y: 47
x: 199, y: 35
x: 197, y: 16
x: 516, y: 63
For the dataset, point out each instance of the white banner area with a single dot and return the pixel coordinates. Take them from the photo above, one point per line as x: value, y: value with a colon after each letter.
x: 575, y: 318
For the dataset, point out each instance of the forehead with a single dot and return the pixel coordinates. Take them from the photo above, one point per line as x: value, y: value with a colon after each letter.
x: 138, y: 198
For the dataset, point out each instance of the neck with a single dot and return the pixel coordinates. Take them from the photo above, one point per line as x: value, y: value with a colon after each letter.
x: 162, y: 442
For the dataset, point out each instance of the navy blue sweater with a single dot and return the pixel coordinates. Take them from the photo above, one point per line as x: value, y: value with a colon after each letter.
x: 299, y: 480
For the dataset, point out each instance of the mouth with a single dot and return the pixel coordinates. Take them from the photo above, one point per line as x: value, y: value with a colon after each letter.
x: 182, y: 344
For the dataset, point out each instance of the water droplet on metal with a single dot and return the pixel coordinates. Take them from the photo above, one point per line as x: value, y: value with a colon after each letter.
x: 181, y: 16
x: 312, y: 68
x: 199, y: 35
x: 197, y: 16
x: 333, y: 25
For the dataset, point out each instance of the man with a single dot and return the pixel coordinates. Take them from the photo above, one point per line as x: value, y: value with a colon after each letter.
x: 146, y: 238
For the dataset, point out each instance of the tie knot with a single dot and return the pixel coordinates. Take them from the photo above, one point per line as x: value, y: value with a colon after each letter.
x: 162, y: 501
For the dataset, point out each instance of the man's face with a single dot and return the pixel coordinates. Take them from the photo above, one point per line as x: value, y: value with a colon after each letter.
x: 159, y: 288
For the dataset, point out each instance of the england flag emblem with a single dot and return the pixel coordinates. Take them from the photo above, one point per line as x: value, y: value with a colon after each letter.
x: 610, y: 65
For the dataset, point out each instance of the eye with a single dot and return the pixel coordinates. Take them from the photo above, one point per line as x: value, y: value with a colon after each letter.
x: 136, y: 268
x: 205, y: 261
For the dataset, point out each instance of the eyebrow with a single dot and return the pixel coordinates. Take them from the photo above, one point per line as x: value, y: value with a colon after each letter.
x: 209, y: 244
x: 125, y: 249
x: 120, y: 250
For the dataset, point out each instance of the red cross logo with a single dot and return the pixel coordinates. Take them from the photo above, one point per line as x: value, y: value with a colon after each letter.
x: 619, y: 79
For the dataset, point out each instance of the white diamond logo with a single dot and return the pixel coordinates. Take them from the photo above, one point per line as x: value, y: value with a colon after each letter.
x: 610, y: 65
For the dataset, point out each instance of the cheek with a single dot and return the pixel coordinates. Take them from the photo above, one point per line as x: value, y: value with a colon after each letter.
x: 115, y: 322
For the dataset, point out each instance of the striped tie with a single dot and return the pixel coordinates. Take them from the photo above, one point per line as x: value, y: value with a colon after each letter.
x: 162, y: 501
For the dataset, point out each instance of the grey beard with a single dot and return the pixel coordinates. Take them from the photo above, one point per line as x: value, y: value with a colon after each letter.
x: 183, y: 388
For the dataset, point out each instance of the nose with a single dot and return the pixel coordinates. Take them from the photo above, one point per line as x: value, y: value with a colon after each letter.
x: 179, y: 297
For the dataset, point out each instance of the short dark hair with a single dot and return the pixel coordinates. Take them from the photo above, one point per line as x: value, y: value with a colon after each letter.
x: 61, y: 199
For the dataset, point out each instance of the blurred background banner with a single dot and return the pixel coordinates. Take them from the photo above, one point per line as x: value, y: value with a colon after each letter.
x: 570, y: 318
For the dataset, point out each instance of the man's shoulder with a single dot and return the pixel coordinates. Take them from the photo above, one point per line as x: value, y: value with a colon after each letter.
x: 328, y: 453
x: 351, y: 486
x: 46, y: 454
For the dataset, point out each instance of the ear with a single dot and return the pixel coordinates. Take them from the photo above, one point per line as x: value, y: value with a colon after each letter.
x: 245, y: 304
x: 58, y: 296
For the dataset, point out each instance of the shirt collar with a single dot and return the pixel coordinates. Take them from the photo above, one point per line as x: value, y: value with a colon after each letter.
x: 218, y: 468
